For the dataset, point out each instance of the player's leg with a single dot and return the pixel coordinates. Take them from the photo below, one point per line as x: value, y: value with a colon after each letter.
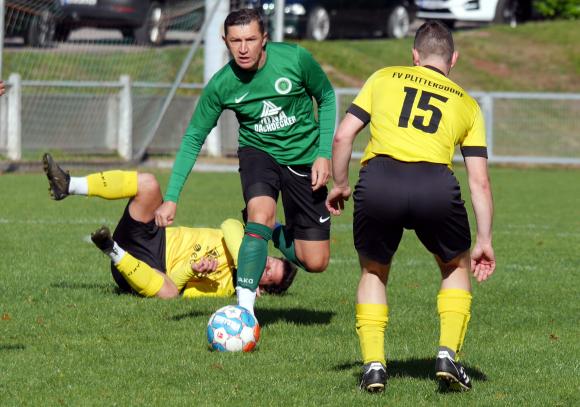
x: 454, y: 308
x: 454, y: 302
x: 379, y: 215
x: 114, y: 184
x: 304, y: 240
x: 260, y: 185
x: 142, y: 278
x: 443, y: 227
x: 371, y: 322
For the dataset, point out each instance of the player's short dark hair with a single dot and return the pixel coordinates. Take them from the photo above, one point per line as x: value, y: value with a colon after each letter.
x: 290, y: 271
x: 434, y: 38
x: 244, y: 16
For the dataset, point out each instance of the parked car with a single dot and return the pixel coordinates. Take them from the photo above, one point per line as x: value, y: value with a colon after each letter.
x: 142, y: 21
x: 322, y: 19
x: 489, y: 11
x: 33, y: 20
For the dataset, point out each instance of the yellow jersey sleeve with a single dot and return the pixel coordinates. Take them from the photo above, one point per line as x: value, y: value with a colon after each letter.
x: 418, y: 114
x: 185, y: 246
x: 364, y: 100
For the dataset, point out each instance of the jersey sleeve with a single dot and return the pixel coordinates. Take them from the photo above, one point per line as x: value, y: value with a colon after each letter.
x: 233, y: 231
x: 205, y: 117
x: 317, y: 85
x: 474, y: 143
x: 361, y: 106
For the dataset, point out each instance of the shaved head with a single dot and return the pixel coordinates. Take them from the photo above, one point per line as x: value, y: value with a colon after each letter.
x: 433, y: 38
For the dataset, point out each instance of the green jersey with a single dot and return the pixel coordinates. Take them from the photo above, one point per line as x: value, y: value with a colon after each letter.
x: 274, y: 109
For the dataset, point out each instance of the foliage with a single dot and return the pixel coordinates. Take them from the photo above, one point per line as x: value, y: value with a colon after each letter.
x: 569, y: 9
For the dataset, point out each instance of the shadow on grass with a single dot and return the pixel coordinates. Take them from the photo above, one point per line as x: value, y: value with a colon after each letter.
x: 7, y: 347
x: 415, y: 368
x: 188, y: 315
x: 299, y: 316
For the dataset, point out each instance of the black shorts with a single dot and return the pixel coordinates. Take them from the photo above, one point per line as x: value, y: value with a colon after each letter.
x: 144, y: 241
x: 392, y: 195
x: 305, y: 211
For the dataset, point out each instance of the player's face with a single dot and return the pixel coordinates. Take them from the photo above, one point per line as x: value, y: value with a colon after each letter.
x: 246, y: 44
x: 273, y: 272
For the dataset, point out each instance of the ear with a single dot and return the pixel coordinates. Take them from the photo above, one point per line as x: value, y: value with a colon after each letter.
x: 264, y: 40
x: 416, y: 58
x: 454, y: 59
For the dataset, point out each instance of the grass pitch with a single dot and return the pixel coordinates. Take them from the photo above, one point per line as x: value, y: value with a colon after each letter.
x: 67, y: 337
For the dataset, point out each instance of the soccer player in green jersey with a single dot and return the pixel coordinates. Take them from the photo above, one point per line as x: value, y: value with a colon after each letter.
x: 417, y: 116
x: 283, y: 149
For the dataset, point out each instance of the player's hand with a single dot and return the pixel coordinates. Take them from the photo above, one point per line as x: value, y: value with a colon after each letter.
x: 205, y: 266
x: 336, y: 198
x: 482, y: 261
x: 165, y: 214
x: 320, y: 172
x: 2, y: 88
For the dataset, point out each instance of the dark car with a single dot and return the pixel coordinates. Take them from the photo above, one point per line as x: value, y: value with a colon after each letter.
x: 142, y: 21
x: 33, y: 20
x: 322, y: 19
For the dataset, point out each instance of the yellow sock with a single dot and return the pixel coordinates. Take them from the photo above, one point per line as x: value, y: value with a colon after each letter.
x: 115, y: 184
x: 371, y: 321
x: 140, y: 276
x: 454, y: 307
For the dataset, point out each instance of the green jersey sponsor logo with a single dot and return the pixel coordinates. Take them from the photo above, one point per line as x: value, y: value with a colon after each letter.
x: 273, y: 118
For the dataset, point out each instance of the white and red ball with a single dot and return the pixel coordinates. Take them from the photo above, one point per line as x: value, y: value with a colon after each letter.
x: 233, y: 329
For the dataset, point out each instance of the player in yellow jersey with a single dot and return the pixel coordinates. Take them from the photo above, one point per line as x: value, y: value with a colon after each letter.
x: 417, y: 116
x: 163, y: 262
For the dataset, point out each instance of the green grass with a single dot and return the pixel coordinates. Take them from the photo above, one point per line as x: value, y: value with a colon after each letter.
x: 67, y: 337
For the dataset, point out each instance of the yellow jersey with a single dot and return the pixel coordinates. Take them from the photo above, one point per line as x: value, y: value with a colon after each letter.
x: 185, y: 246
x: 418, y: 114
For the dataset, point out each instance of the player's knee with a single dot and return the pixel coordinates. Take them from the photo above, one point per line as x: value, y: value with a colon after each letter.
x: 147, y: 184
x: 316, y: 264
x: 167, y: 291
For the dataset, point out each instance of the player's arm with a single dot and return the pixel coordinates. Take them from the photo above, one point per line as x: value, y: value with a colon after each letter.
x: 347, y: 131
x: 317, y: 85
x: 204, y: 119
x: 358, y: 115
x: 482, y: 255
x: 2, y: 88
x: 474, y: 151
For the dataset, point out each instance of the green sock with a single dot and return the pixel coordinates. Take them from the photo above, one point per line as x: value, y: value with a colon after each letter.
x: 284, y: 242
x: 252, y: 255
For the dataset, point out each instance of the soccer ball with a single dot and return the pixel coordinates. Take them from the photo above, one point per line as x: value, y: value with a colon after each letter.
x: 232, y: 329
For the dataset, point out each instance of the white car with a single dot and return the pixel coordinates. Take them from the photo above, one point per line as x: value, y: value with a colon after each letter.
x: 491, y: 11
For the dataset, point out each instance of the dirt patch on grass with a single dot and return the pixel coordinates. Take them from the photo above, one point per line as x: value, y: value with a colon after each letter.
x: 500, y: 70
x: 342, y: 78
